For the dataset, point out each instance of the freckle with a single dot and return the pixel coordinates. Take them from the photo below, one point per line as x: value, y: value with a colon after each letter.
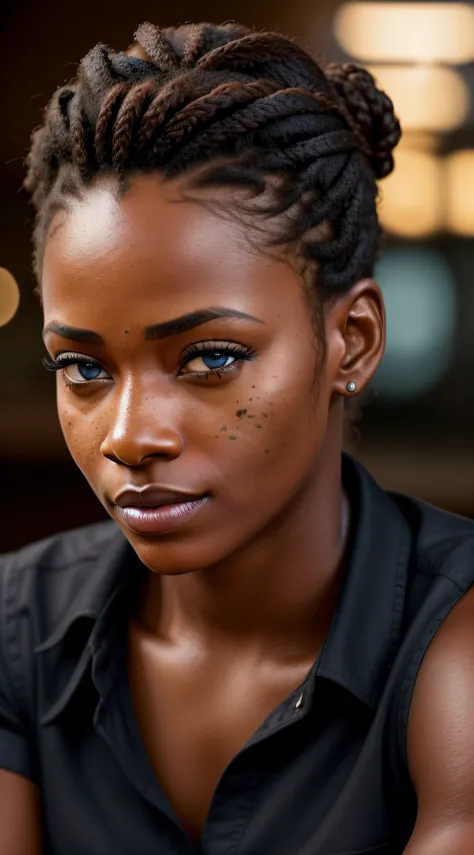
x: 217, y: 436
x: 265, y: 414
x: 250, y: 399
x: 232, y: 436
x: 251, y: 417
x: 253, y: 387
x: 256, y: 425
x: 224, y: 427
x: 240, y: 413
x: 266, y: 451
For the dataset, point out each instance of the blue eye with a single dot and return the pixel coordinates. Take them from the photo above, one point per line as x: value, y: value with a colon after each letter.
x: 89, y: 370
x: 206, y: 358
x: 86, y: 370
x: 215, y: 360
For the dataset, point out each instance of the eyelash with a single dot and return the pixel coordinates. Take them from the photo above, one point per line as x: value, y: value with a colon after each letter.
x: 225, y: 348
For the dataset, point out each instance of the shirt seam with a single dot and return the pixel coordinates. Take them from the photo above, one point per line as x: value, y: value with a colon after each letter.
x: 399, y: 596
x: 439, y: 573
x: 244, y: 821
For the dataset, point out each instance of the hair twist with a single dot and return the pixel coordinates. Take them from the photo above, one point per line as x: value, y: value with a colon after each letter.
x: 246, y: 107
x: 372, y: 111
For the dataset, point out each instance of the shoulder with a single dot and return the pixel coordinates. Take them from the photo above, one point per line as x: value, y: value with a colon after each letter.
x: 440, y: 738
x: 445, y: 680
x: 45, y: 576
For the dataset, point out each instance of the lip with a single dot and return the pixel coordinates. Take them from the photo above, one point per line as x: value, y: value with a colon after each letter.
x: 153, y: 496
x: 155, y: 510
x: 161, y: 519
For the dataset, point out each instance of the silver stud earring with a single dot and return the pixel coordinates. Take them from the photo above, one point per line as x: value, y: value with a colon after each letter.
x: 351, y: 387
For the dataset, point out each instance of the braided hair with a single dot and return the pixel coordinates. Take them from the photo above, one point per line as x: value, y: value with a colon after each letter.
x: 242, y: 106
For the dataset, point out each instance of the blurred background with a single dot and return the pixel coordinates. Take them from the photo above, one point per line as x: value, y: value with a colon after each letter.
x: 417, y: 433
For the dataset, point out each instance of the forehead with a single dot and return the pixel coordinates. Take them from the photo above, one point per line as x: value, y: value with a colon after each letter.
x: 151, y: 241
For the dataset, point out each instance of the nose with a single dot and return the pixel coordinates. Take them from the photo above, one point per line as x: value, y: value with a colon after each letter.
x: 142, y: 424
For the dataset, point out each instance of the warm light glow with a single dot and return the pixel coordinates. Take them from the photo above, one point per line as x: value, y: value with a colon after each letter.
x: 409, y: 32
x: 425, y: 97
x: 422, y: 141
x: 9, y: 296
x: 411, y: 198
x: 459, y: 177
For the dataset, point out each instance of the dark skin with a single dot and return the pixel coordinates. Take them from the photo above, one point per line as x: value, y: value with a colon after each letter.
x: 238, y: 601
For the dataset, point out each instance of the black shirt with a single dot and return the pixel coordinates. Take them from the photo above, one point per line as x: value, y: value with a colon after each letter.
x: 324, y: 774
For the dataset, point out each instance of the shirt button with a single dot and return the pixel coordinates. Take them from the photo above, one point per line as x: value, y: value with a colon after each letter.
x: 299, y: 702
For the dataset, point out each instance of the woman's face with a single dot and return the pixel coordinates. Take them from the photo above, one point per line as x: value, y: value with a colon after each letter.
x: 142, y: 407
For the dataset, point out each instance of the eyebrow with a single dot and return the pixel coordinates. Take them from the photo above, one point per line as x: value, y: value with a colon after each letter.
x: 156, y: 331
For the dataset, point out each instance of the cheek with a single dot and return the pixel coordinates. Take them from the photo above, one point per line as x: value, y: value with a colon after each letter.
x: 276, y: 426
x: 81, y: 433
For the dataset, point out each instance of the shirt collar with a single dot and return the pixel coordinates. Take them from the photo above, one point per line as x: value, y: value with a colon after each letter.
x: 361, y: 643
x: 364, y: 636
x: 64, y: 657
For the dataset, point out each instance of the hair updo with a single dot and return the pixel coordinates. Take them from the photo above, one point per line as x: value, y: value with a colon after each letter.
x: 245, y: 105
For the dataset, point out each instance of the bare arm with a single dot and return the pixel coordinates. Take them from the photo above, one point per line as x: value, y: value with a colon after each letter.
x: 441, y: 739
x: 20, y: 822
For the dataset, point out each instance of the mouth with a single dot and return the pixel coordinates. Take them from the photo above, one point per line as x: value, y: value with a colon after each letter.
x: 161, y: 518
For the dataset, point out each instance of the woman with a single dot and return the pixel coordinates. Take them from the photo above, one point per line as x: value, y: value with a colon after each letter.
x: 262, y: 651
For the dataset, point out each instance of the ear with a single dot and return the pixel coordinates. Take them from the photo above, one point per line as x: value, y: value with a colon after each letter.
x: 355, y: 336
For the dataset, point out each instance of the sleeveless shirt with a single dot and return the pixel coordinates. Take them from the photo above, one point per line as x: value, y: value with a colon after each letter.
x: 324, y: 774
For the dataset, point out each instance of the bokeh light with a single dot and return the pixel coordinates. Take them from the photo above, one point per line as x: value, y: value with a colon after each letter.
x: 419, y: 290
x: 426, y: 97
x: 459, y: 178
x: 9, y: 296
x: 411, y: 197
x: 407, y: 32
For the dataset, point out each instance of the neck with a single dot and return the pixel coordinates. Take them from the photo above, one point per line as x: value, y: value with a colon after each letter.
x: 277, y: 594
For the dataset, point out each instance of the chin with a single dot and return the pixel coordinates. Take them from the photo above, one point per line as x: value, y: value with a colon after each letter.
x: 175, y: 555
